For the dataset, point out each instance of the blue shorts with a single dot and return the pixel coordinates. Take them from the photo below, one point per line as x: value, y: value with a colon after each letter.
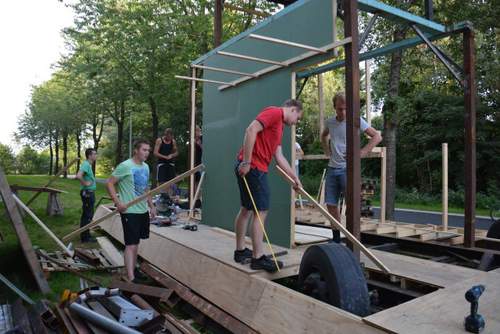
x: 257, y: 182
x: 335, y: 185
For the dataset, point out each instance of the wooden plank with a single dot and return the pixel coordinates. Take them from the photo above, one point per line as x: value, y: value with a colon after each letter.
x: 22, y: 235
x: 111, y: 252
x: 236, y: 291
x: 443, y: 311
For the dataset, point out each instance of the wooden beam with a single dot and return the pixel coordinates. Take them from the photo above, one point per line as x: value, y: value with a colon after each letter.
x: 202, y: 80
x: 257, y: 59
x: 287, y: 43
x: 218, y: 22
x: 223, y: 70
x: 22, y: 235
x: 368, y: 92
x: 192, y: 144
x: 445, y: 186
x: 141, y: 198
x: 334, y: 221
x: 196, y: 195
x: 383, y: 185
x: 44, y: 227
x: 53, y: 179
x: 288, y: 62
x: 247, y: 10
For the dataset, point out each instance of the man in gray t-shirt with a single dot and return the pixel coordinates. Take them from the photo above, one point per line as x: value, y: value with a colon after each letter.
x: 335, y: 128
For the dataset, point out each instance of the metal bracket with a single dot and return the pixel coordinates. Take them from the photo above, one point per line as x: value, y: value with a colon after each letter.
x: 446, y: 60
x: 369, y: 27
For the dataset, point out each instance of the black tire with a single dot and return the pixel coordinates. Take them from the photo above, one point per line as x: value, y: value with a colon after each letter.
x: 494, y: 230
x: 331, y: 273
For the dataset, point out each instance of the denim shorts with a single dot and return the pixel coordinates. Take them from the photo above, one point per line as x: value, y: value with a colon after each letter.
x: 335, y: 185
x: 259, y: 187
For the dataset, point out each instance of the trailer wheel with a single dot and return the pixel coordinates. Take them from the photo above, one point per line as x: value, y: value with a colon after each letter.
x: 490, y: 261
x: 331, y: 273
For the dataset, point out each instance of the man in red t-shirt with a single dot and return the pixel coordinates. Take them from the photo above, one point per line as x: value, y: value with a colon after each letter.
x: 262, y: 142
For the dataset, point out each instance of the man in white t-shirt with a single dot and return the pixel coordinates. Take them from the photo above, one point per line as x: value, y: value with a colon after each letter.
x: 336, y: 175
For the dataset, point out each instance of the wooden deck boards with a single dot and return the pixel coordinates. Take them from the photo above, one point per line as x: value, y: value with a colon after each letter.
x: 444, y: 310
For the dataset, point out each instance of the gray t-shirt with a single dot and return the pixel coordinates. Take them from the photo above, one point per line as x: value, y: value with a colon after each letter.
x: 337, y: 132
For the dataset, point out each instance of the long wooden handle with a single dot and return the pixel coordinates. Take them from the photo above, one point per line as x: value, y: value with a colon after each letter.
x: 196, y: 194
x: 134, y: 201
x: 338, y: 225
x: 43, y: 226
x: 53, y: 179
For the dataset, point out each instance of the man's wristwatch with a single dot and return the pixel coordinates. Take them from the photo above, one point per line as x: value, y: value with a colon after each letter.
x: 244, y: 163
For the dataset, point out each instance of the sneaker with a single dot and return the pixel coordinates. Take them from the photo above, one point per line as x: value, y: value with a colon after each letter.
x: 265, y: 263
x: 241, y: 255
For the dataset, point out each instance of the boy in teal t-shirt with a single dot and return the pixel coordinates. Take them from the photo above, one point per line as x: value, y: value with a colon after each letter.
x: 132, y: 179
x: 87, y: 191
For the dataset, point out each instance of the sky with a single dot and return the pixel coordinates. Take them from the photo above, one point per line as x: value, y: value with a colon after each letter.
x: 31, y: 42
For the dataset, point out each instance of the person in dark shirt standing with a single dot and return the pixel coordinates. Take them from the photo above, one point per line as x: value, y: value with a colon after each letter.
x: 166, y: 152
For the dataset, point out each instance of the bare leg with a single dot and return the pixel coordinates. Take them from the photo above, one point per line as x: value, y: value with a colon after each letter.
x: 335, y: 212
x: 258, y: 234
x: 130, y: 260
x: 240, y: 227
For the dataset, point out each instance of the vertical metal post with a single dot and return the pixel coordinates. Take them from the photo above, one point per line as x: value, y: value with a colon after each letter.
x: 218, y: 22
x: 429, y: 9
x: 470, y: 138
x: 353, y: 189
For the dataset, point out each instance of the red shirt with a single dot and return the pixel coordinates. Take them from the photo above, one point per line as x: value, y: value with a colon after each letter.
x: 268, y: 139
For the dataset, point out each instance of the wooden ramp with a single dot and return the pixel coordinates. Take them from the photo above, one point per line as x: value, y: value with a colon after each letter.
x: 202, y: 261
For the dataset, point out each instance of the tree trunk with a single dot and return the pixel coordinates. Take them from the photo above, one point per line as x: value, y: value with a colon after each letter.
x: 56, y: 169
x: 155, y: 123
x: 391, y: 112
x: 78, y: 148
x: 97, y: 127
x: 65, y: 153
x: 119, y: 140
x: 51, y: 153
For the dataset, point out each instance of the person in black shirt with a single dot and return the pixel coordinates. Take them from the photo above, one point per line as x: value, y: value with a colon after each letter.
x: 166, y: 152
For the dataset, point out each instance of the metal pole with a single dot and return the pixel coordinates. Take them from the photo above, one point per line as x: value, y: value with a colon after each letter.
x: 470, y: 138
x: 353, y: 189
x: 111, y: 325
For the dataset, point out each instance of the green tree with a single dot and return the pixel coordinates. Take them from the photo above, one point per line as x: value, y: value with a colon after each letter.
x: 7, y: 159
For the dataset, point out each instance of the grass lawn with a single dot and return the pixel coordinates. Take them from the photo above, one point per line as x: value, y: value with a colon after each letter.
x: 12, y: 261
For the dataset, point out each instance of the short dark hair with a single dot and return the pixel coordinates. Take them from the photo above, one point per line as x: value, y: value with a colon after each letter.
x: 89, y: 151
x: 292, y: 103
x: 139, y: 142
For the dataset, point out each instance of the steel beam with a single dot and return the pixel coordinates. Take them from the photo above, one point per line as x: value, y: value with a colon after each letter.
x: 353, y: 189
x: 439, y: 54
x: 470, y: 138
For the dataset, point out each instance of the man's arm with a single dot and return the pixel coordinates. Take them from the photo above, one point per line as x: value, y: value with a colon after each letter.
x: 175, y: 152
x: 375, y: 139
x: 324, y: 141
x: 156, y: 150
x: 110, y: 187
x: 283, y: 163
x: 152, y: 207
x: 79, y: 177
x: 248, y: 142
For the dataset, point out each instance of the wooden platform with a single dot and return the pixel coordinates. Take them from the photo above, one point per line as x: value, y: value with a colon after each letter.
x: 203, y: 261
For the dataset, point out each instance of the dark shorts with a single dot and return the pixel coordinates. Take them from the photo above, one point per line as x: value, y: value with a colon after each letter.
x: 165, y: 171
x: 135, y: 227
x: 257, y: 182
